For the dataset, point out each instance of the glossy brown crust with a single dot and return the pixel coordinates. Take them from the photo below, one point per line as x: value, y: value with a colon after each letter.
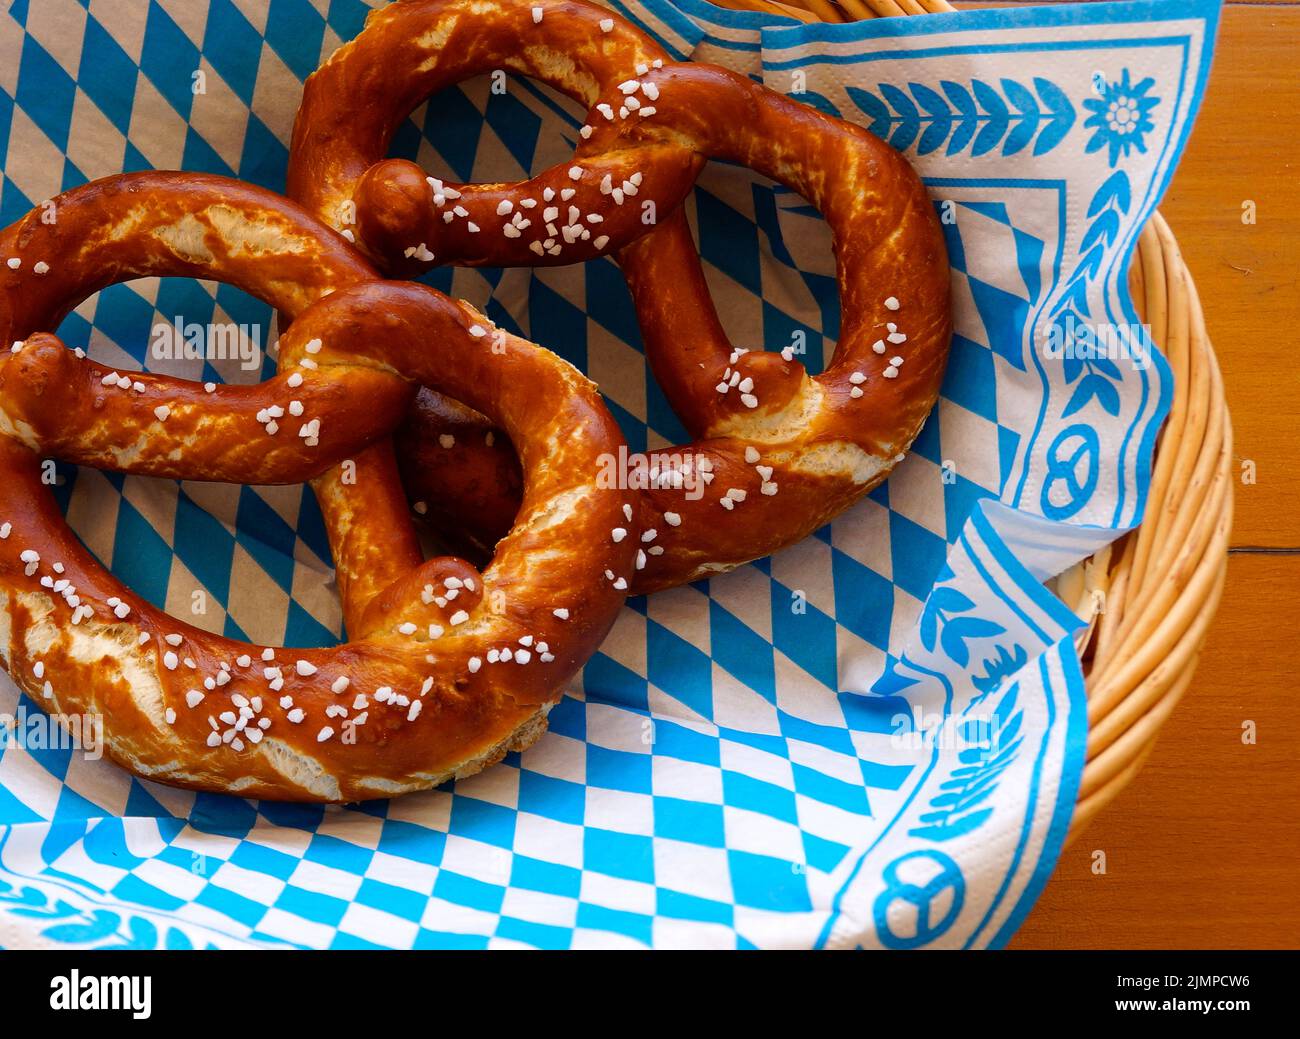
x: 793, y: 452
x: 479, y: 484
x: 421, y: 704
x: 413, y: 49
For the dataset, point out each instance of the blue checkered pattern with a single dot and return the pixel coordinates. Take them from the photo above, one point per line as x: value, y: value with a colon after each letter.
x: 723, y: 767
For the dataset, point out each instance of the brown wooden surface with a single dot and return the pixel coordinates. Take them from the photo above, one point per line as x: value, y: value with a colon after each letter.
x: 1203, y: 849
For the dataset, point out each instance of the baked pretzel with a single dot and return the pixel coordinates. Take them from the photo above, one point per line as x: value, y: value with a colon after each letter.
x: 447, y: 667
x: 777, y: 453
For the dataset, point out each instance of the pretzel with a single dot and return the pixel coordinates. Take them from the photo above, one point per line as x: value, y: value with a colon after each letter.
x: 777, y: 453
x: 447, y: 667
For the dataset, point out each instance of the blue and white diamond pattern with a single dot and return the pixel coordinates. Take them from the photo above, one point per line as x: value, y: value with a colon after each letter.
x: 721, y: 771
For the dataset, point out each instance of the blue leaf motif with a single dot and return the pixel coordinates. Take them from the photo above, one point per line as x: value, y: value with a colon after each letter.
x: 1108, y: 368
x: 102, y: 924
x: 984, y: 784
x: 1111, y: 200
x: 960, y: 98
x: 958, y: 630
x: 934, y: 136
x: 969, y: 780
x: 1062, y: 115
x: 1075, y: 295
x: 996, y: 670
x: 909, y: 118
x: 968, y: 115
x: 28, y: 896
x: 952, y: 600
x: 942, y: 601
x: 991, y: 100
x: 892, y: 681
x: 950, y: 830
x: 998, y: 114
x: 930, y: 100
x: 1114, y: 189
x: 1019, y: 137
x: 1094, y: 386
x: 1023, y: 102
x: 1021, y: 98
x: 1009, y: 733
x: 1078, y: 293
x: 940, y: 118
x: 34, y: 903
x: 987, y: 139
x: 956, y: 810
x: 144, y: 935
x: 820, y: 102
x: 59, y: 911
x: 873, y: 108
x: 1105, y: 227
x: 1072, y: 367
x: 968, y: 797
x: 1091, y: 261
x: 178, y: 939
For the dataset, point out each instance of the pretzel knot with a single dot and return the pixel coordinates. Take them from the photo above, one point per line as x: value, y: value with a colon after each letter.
x: 448, y: 667
x: 778, y: 453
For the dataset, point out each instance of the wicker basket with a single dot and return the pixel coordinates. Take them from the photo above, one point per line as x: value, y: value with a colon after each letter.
x: 1150, y: 597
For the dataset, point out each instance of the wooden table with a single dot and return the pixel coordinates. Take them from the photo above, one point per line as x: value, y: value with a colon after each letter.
x: 1203, y: 849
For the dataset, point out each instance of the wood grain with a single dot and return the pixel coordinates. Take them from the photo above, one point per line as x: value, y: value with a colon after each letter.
x: 1246, y: 148
x: 1201, y: 849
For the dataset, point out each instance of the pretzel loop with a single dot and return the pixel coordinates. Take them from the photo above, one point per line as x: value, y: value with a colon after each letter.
x: 448, y: 667
x: 397, y: 213
x: 778, y: 453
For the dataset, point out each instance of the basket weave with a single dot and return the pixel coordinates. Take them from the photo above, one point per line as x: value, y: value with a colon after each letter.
x: 1149, y: 598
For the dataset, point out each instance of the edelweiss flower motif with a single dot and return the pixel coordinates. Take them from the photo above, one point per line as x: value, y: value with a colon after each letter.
x: 1121, y: 116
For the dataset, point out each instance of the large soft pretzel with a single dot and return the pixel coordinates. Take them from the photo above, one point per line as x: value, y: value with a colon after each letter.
x: 447, y: 668
x: 778, y: 453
